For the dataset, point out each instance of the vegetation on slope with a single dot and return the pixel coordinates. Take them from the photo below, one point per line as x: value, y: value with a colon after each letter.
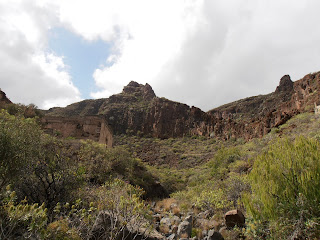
x: 58, y: 188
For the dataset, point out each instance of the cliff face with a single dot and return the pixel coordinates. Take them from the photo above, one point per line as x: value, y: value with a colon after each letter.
x: 137, y: 110
x: 88, y: 127
x: 255, y: 116
x: 3, y: 99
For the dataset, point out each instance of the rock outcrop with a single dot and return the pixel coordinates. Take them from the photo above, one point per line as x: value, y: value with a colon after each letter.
x: 213, y: 235
x: 89, y: 127
x: 255, y: 116
x: 185, y: 228
x: 138, y: 111
x: 234, y: 218
x: 3, y: 99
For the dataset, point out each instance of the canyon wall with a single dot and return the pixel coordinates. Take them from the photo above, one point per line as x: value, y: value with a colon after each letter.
x: 88, y: 127
x: 138, y: 111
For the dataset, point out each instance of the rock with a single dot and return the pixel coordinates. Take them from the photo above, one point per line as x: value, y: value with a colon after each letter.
x: 134, y: 88
x: 184, y: 229
x: 234, y: 218
x: 90, y: 127
x: 188, y: 219
x: 174, y: 229
x: 213, y: 235
x: 206, y: 224
x: 157, y: 217
x: 285, y: 84
x: 204, y: 233
x: 3, y: 99
x: 223, y: 231
x: 175, y: 220
x: 206, y: 214
x: 128, y: 235
x: 172, y: 237
x: 165, y: 225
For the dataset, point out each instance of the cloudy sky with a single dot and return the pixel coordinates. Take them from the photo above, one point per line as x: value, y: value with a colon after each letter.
x: 200, y: 52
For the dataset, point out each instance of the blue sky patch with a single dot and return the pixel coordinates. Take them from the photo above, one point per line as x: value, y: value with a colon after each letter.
x: 82, y: 57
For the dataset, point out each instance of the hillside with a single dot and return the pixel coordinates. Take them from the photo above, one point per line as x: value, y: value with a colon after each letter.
x: 138, y: 111
x: 246, y: 170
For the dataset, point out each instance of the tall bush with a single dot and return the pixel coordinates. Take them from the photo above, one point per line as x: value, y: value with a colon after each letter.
x: 285, y: 183
x: 19, y: 143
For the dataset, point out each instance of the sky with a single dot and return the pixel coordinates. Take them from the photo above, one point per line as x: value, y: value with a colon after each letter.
x: 204, y: 53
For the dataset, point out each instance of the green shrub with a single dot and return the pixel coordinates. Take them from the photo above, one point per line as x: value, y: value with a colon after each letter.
x: 285, y: 183
x: 121, y: 201
x: 100, y: 164
x: 21, y: 220
x: 213, y: 199
x: 19, y: 144
x: 51, y: 176
x: 222, y: 159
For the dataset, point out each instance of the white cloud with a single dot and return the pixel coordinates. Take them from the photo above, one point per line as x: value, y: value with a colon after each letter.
x: 207, y: 53
x: 145, y: 35
x: 201, y: 52
x: 28, y: 73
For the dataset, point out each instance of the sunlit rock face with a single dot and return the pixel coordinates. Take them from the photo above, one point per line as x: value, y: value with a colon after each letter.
x: 89, y: 127
x: 138, y: 111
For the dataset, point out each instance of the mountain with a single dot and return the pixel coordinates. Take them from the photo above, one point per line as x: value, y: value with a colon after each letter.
x: 210, y: 181
x: 255, y: 116
x: 137, y: 110
x: 3, y: 99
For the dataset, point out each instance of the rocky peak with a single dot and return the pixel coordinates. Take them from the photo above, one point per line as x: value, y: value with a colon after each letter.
x: 285, y: 84
x: 134, y: 88
x: 3, y: 98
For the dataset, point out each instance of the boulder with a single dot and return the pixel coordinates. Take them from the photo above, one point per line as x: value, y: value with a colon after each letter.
x: 172, y: 237
x: 188, y: 218
x: 165, y: 225
x: 234, y: 218
x: 175, y: 220
x: 213, y: 235
x: 184, y: 229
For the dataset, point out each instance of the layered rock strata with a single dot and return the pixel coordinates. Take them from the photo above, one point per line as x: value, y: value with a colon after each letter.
x: 89, y: 127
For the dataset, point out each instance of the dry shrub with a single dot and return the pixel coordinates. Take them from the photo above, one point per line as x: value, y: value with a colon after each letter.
x: 166, y: 205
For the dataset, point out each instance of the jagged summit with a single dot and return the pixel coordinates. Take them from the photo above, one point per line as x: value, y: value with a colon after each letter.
x: 3, y: 98
x: 285, y: 84
x: 137, y: 89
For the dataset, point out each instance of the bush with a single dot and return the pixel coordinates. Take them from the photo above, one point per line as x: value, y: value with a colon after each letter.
x: 285, y: 183
x: 100, y: 165
x: 21, y: 220
x: 222, y: 159
x: 105, y: 212
x: 19, y: 144
x: 51, y: 176
x: 213, y: 199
